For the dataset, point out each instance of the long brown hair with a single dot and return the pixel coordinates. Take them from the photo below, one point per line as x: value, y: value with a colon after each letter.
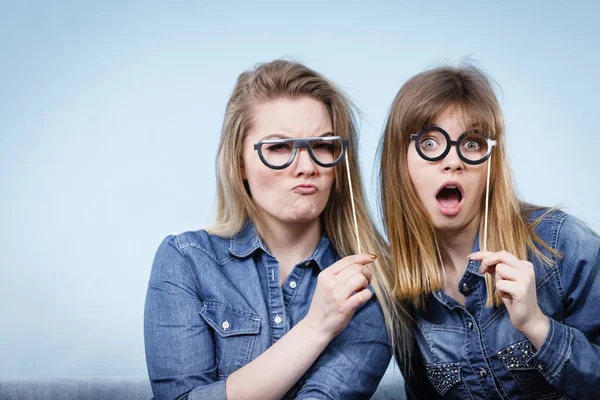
x: 414, y: 248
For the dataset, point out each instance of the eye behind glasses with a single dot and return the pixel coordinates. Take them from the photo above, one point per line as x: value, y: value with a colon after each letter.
x: 433, y: 144
x: 326, y: 151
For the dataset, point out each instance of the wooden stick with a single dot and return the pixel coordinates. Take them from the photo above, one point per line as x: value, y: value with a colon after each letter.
x: 352, y: 201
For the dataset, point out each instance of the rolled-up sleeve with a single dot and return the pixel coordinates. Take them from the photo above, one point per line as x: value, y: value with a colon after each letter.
x: 179, y: 344
x: 352, y: 365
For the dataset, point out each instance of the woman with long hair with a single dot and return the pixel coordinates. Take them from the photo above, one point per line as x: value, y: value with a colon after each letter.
x: 274, y: 300
x: 503, y: 294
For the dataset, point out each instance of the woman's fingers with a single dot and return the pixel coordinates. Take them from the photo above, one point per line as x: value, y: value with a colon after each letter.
x: 328, y: 278
x: 358, y: 299
x: 490, y: 259
x: 514, y: 283
x: 355, y: 284
x: 345, y: 262
x: 493, y: 257
x: 509, y: 287
x: 344, y: 276
x: 504, y: 271
x: 341, y: 288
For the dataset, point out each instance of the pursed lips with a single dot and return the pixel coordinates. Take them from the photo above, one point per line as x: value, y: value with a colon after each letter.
x: 305, y: 188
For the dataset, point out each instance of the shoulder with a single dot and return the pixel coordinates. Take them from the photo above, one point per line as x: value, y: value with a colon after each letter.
x: 576, y: 245
x: 200, y: 242
x: 370, y: 312
x: 559, y: 229
x: 544, y: 217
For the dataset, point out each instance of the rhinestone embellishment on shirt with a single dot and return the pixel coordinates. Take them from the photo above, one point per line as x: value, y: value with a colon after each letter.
x: 516, y: 355
x: 443, y: 376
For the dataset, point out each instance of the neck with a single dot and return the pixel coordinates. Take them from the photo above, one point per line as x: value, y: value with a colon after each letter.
x: 291, y: 243
x: 458, y: 245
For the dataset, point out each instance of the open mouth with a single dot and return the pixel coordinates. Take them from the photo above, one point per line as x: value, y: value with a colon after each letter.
x: 449, y: 197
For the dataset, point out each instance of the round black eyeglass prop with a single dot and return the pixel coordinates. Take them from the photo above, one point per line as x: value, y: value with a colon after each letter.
x: 433, y: 144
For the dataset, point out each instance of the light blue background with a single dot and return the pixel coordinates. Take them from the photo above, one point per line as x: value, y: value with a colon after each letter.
x: 110, y: 116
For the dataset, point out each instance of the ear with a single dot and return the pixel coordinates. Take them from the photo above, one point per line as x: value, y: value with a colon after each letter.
x: 243, y: 169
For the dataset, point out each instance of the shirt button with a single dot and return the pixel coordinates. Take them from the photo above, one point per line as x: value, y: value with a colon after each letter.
x: 225, y: 325
x: 482, y: 372
x: 307, y: 263
x: 540, y: 367
x: 465, y: 288
x: 470, y: 324
x: 277, y: 320
x: 293, y: 284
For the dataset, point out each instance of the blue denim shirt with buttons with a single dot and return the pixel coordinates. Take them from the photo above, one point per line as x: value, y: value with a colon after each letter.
x: 472, y: 351
x: 215, y: 304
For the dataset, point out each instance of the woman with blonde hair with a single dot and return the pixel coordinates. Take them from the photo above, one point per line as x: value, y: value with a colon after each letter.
x: 274, y: 300
x: 503, y: 294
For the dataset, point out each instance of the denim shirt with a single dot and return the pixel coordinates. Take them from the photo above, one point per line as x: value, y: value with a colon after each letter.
x: 215, y: 304
x: 471, y: 351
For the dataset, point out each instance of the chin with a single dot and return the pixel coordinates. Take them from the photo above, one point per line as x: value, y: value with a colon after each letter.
x: 303, y: 215
x: 446, y: 223
x: 448, y: 226
x: 305, y: 211
x: 300, y: 220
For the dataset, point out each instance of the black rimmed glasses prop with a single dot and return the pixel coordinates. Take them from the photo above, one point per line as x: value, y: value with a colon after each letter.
x: 433, y: 144
x: 325, y: 151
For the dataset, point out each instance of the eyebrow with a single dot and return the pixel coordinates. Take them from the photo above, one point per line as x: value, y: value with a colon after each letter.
x: 474, y: 125
x: 284, y: 136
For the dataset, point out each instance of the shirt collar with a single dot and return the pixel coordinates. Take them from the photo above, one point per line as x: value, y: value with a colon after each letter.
x: 247, y: 241
x: 472, y: 267
x: 324, y: 255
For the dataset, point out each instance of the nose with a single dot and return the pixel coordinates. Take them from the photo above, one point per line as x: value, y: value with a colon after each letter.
x: 452, y: 161
x: 303, y: 164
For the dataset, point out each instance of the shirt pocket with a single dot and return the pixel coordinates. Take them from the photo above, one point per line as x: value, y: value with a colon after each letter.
x: 444, y: 377
x: 235, y: 333
x: 530, y: 380
x: 442, y: 348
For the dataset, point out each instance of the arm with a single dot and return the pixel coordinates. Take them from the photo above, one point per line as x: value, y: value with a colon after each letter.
x: 569, y: 357
x: 180, y: 347
x: 179, y: 344
x: 341, y: 288
x: 354, y: 362
x: 568, y: 351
